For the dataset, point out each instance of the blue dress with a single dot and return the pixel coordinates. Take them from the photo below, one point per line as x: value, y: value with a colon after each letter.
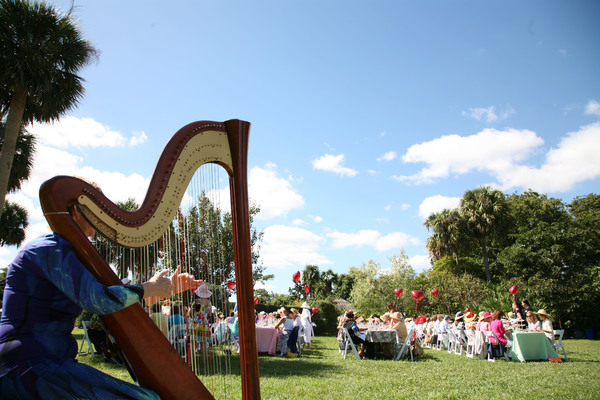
x: 46, y: 289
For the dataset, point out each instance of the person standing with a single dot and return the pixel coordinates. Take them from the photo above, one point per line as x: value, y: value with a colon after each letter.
x: 307, y: 325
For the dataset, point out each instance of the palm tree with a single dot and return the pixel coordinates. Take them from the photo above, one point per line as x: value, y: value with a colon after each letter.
x: 486, y: 211
x: 41, y: 51
x: 13, y: 223
x: 450, y: 234
x: 13, y: 220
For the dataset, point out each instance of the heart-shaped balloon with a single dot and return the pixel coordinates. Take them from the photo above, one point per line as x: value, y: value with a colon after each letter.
x: 230, y: 284
x: 435, y: 292
x: 398, y: 292
x: 315, y: 310
x: 417, y: 294
x: 467, y: 310
x: 513, y: 289
x: 306, y: 289
x: 296, y: 276
x: 256, y: 300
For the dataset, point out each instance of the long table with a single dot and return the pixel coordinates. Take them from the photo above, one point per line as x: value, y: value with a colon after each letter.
x: 528, y: 346
x: 266, y: 339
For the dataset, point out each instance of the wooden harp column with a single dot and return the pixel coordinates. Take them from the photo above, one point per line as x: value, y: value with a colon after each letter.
x: 153, y: 361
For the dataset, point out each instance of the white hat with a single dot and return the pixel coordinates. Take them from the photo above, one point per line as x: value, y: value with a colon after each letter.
x: 203, y: 291
x: 304, y: 305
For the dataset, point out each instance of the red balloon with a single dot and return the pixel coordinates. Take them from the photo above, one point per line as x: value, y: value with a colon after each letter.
x: 417, y: 294
x: 421, y: 320
x: 315, y: 310
x: 435, y: 292
x: 513, y: 289
x: 467, y: 310
x: 230, y: 284
x: 306, y: 289
x: 398, y: 292
x: 296, y: 276
x: 256, y: 300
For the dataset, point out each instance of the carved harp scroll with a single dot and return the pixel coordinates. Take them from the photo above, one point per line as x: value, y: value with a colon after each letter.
x: 154, y: 362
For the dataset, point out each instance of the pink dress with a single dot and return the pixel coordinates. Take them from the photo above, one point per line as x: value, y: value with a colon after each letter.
x: 498, y: 329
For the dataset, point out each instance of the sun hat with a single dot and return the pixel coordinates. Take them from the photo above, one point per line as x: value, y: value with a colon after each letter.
x: 304, y: 305
x: 396, y: 315
x: 486, y: 315
x: 470, y: 316
x: 544, y: 313
x: 203, y: 291
x: 459, y: 315
x: 446, y: 317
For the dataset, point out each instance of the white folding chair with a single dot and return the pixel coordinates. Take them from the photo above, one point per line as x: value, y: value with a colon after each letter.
x: 451, y: 341
x: 405, y: 347
x: 178, y: 338
x: 558, y: 344
x: 460, y: 342
x: 347, y: 343
x: 86, y: 340
x: 488, y: 340
x: 470, y: 351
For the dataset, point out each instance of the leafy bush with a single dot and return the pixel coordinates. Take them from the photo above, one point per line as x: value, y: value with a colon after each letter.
x: 326, y: 318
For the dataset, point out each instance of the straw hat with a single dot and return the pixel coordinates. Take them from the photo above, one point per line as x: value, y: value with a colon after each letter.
x: 459, y: 315
x: 544, y: 313
x: 396, y: 315
x: 470, y: 317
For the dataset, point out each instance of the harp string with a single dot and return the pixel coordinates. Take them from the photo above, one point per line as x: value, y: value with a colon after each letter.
x: 195, y: 243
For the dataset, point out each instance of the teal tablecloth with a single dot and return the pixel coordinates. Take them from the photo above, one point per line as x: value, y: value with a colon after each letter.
x: 532, y: 346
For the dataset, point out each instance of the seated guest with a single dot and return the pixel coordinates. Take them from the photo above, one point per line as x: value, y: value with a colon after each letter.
x: 399, y: 326
x: 497, y: 349
x: 358, y: 337
x: 459, y: 326
x: 284, y: 339
x: 526, y: 306
x: 546, y: 327
x: 533, y: 324
x: 485, y: 322
x: 176, y: 319
x: 391, y: 308
x: 385, y: 319
x: 158, y: 317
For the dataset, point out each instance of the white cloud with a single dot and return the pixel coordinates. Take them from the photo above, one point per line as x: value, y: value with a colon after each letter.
x: 81, y: 132
x: 592, y: 108
x: 285, y: 246
x: 388, y: 156
x: 575, y: 159
x: 500, y: 154
x: 369, y: 237
x: 489, y: 149
x: 316, y: 218
x: 489, y: 114
x: 420, y: 263
x: 333, y: 163
x: 436, y: 204
x: 274, y: 194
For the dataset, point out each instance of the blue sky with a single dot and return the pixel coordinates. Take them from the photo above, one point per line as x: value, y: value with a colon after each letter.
x: 366, y: 116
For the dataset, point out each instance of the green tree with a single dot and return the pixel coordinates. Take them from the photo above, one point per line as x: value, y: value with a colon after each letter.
x: 13, y: 221
x: 374, y: 287
x: 486, y: 213
x: 41, y: 52
x: 342, y: 286
x: 450, y: 235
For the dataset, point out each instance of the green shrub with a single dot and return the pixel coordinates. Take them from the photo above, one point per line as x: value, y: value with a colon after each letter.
x: 325, y: 318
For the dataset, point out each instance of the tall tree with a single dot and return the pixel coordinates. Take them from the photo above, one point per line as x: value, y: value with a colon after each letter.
x: 13, y: 221
x: 486, y: 213
x: 450, y: 235
x: 41, y: 52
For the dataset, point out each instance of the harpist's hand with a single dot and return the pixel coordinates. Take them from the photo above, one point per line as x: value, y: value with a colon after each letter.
x: 182, y: 282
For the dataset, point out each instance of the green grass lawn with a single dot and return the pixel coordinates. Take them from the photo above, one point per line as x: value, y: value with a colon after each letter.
x: 322, y: 373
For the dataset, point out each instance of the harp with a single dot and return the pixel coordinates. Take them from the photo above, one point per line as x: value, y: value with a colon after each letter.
x: 153, y: 361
